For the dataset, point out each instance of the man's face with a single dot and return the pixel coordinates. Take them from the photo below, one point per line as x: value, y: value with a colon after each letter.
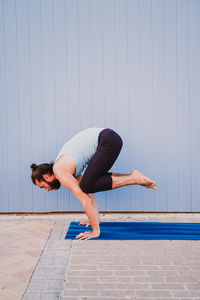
x: 50, y: 184
x: 43, y: 185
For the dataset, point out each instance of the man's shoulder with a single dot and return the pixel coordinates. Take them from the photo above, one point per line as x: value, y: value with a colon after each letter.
x: 64, y: 163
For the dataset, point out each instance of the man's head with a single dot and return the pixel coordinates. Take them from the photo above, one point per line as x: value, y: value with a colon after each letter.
x: 43, y: 176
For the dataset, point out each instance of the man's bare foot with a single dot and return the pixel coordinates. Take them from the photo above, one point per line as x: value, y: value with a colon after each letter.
x: 140, y: 179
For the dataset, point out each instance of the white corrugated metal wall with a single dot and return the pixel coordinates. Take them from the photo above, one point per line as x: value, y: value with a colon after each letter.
x: 131, y: 65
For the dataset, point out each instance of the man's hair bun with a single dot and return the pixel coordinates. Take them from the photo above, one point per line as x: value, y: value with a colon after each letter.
x: 33, y: 167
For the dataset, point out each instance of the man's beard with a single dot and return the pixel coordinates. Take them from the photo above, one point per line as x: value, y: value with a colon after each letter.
x: 54, y: 185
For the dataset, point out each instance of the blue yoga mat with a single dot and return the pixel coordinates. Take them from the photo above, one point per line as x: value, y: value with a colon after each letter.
x: 140, y: 231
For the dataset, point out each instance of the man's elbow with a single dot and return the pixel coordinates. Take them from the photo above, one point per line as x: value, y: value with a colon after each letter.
x: 77, y: 192
x: 83, y: 198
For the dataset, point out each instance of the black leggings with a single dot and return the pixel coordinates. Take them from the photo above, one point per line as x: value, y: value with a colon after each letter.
x: 96, y: 177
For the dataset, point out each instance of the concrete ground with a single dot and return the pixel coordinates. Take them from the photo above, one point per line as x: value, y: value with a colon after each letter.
x: 37, y: 263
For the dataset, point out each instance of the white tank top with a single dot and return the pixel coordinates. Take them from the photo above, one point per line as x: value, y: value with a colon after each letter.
x: 81, y: 147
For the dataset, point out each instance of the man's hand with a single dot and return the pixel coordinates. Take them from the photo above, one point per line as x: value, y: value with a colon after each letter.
x: 88, y: 235
x: 87, y: 223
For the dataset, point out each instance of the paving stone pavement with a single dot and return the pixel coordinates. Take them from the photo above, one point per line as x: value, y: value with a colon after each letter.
x: 21, y: 245
x: 101, y: 269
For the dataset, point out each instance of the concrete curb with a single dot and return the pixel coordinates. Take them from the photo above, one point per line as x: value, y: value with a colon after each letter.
x: 48, y: 279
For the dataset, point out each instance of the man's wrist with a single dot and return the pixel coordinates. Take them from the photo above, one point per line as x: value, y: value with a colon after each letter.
x: 97, y: 230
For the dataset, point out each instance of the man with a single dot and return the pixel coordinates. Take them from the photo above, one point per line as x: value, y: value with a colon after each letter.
x: 82, y: 166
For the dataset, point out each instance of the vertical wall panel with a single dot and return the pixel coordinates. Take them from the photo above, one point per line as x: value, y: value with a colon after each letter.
x: 194, y: 100
x: 36, y: 96
x: 84, y: 34
x: 159, y: 103
x: 172, y: 134
x: 12, y: 98
x: 4, y: 192
x: 131, y: 65
x: 97, y: 60
x: 183, y: 104
x: 25, y: 122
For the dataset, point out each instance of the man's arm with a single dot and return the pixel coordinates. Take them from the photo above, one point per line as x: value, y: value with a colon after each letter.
x: 88, y: 203
x: 87, y: 223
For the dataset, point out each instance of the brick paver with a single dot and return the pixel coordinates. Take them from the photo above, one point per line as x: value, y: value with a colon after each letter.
x: 101, y: 269
x: 21, y: 244
x: 133, y: 269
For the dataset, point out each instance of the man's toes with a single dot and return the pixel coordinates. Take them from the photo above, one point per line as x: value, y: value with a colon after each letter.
x: 152, y: 186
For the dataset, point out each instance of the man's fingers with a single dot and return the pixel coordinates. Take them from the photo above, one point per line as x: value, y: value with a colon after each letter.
x: 79, y: 235
x: 85, y: 223
x: 87, y: 235
x: 82, y: 234
x: 83, y: 237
